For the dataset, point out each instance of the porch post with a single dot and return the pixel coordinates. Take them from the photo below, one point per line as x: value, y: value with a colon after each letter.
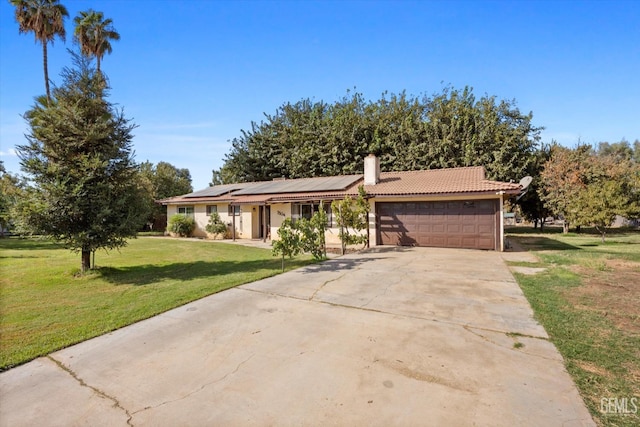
x: 264, y: 223
x: 501, y: 222
x: 233, y: 227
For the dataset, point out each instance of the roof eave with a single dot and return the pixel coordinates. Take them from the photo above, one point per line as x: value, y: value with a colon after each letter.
x: 464, y: 194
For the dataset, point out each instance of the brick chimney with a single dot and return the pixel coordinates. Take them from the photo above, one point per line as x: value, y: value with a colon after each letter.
x: 371, y: 170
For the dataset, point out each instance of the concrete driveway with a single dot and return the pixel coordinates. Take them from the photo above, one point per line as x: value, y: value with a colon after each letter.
x: 394, y: 336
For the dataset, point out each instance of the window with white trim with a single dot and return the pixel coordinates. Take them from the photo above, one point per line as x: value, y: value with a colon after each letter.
x: 185, y: 210
x: 234, y: 210
x: 306, y: 210
x: 212, y: 209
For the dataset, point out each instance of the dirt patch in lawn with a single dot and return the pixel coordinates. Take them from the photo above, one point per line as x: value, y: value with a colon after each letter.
x: 593, y: 368
x: 613, y: 293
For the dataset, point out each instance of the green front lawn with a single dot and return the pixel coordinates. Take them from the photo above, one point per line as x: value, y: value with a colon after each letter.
x: 588, y: 300
x: 45, y: 305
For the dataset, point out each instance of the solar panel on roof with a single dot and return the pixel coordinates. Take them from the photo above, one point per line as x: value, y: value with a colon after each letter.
x: 216, y: 190
x: 329, y: 183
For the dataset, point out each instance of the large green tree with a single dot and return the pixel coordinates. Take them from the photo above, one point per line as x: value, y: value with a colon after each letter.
x: 449, y: 129
x: 94, y: 34
x: 621, y: 150
x: 12, y: 189
x: 79, y: 158
x: 162, y: 181
x: 563, y: 176
x: 45, y: 19
x: 611, y: 188
x: 531, y: 205
x: 591, y: 187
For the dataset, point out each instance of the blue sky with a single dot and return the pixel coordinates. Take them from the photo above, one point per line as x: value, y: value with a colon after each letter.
x: 192, y: 74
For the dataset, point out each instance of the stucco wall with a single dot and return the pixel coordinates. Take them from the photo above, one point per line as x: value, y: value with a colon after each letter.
x: 243, y: 221
x: 279, y: 212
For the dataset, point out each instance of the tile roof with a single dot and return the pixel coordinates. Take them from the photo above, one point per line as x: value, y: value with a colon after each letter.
x: 438, y: 181
x: 433, y: 182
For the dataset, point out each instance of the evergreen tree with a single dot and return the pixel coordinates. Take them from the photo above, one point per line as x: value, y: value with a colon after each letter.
x: 87, y: 194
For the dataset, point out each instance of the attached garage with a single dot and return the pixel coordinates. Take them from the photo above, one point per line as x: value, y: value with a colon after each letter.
x: 469, y: 224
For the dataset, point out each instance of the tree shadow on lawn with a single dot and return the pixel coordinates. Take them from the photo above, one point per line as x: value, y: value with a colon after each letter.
x: 540, y: 243
x: 140, y: 275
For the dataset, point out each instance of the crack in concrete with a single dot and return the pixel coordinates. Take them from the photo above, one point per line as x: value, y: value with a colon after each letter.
x: 509, y: 334
x: 384, y: 292
x: 398, y: 315
x: 199, y: 389
x: 275, y: 294
x: 96, y: 390
x: 400, y: 277
x: 327, y: 282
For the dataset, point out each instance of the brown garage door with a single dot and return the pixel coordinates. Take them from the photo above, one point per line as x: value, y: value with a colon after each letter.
x: 448, y: 224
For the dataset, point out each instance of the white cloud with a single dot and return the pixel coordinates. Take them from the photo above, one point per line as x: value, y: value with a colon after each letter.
x: 10, y: 152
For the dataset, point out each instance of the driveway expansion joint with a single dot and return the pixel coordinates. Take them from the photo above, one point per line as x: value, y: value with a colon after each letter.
x: 99, y: 392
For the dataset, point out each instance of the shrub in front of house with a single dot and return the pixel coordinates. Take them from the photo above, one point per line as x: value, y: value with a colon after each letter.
x: 181, y: 225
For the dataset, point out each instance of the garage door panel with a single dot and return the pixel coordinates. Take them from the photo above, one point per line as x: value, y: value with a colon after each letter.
x: 485, y: 229
x: 438, y: 228
x: 485, y: 205
x: 469, y: 228
x: 458, y: 224
x: 486, y: 242
x: 454, y: 242
x: 438, y: 241
x: 469, y: 241
x: 455, y: 228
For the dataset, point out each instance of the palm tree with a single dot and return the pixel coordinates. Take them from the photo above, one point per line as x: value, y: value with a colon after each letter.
x: 46, y: 19
x: 94, y: 34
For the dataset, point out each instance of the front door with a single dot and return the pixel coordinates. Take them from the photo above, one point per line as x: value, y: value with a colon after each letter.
x: 264, y: 222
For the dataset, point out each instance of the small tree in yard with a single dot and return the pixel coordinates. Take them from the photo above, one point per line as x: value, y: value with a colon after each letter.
x: 288, y: 243
x: 302, y: 236
x: 352, y: 217
x: 312, y: 236
x: 562, y: 179
x: 216, y: 226
x: 79, y: 157
x: 613, y: 189
x: 318, y: 224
